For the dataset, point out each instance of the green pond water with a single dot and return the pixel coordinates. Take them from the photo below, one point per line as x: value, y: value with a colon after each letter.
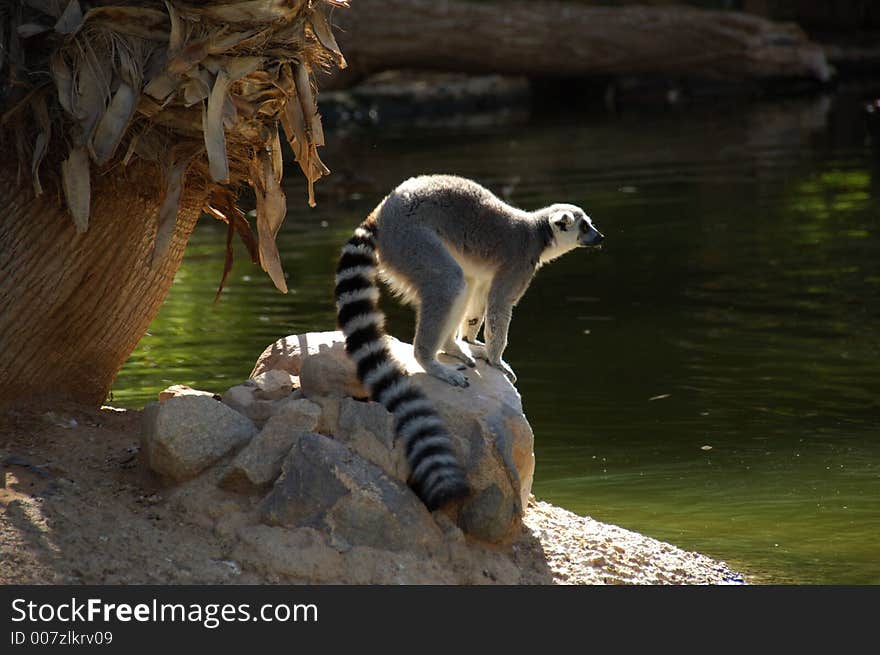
x: 712, y: 378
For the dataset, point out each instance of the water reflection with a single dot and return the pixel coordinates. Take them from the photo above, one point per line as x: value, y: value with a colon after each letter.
x: 711, y: 378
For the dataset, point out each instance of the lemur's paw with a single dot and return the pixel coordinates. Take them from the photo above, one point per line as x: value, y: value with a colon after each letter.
x: 457, y: 353
x: 502, y: 366
x: 448, y: 375
x: 478, y: 350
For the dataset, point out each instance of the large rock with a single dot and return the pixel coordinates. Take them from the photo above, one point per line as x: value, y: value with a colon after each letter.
x: 495, y: 441
x: 259, y: 463
x: 184, y: 435
x: 326, y: 486
x: 486, y: 421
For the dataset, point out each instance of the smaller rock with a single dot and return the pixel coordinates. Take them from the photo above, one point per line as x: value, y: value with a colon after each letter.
x: 240, y: 397
x: 370, y: 416
x: 368, y: 429
x: 186, y: 434
x: 245, y: 398
x: 259, y: 463
x: 274, y: 384
x: 182, y: 390
x: 262, y: 410
x: 326, y: 486
x: 489, y: 514
x: 329, y: 415
x: 301, y: 413
x: 287, y: 354
x: 330, y: 373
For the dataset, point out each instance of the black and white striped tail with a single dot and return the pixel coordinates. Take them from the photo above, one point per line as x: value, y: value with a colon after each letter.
x: 435, y: 474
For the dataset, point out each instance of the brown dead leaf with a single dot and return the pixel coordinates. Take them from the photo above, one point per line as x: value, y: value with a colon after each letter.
x: 90, y: 92
x: 227, y: 260
x: 324, y: 34
x: 275, y: 155
x: 189, y: 56
x: 212, y: 125
x: 70, y: 19
x: 141, y: 22
x: 28, y: 30
x: 271, y: 210
x: 167, y: 220
x: 238, y: 67
x: 41, y: 113
x: 309, y: 105
x: 75, y: 178
x: 246, y: 234
x: 51, y: 8
x: 194, y: 91
x: 113, y: 123
x: 63, y: 80
x: 162, y: 86
x: 254, y: 11
x: 227, y: 40
x: 175, y: 34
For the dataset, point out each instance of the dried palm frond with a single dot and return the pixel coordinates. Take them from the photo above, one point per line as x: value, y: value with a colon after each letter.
x: 198, y: 88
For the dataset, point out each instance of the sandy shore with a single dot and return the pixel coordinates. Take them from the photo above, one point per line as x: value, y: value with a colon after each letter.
x: 78, y: 507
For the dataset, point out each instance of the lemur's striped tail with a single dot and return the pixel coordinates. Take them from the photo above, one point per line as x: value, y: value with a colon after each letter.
x: 435, y: 474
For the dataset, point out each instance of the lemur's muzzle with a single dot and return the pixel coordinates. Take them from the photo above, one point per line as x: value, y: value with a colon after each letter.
x: 593, y: 239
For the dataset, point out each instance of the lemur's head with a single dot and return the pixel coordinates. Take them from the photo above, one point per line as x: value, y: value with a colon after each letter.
x: 571, y: 228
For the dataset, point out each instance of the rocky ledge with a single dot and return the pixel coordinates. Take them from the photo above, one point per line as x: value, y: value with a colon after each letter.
x: 301, y: 475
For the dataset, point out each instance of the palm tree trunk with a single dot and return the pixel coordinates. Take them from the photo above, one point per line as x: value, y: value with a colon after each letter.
x: 73, y: 306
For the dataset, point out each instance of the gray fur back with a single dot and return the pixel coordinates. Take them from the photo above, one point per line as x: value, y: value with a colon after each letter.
x: 469, y: 218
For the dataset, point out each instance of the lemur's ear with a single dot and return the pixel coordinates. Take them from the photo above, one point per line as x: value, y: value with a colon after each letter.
x: 562, y: 219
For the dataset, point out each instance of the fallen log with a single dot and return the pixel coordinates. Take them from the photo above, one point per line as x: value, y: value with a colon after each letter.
x: 566, y: 40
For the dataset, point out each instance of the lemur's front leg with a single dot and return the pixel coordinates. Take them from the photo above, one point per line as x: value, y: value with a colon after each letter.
x: 507, y: 288
x: 497, y: 323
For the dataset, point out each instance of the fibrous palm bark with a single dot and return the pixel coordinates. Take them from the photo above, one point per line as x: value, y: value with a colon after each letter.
x: 119, y: 124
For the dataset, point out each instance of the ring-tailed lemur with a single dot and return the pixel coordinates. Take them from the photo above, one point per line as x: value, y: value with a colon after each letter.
x: 461, y: 256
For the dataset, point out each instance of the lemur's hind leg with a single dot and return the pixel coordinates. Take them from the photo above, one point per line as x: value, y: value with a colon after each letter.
x: 435, y: 322
x: 439, y: 279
